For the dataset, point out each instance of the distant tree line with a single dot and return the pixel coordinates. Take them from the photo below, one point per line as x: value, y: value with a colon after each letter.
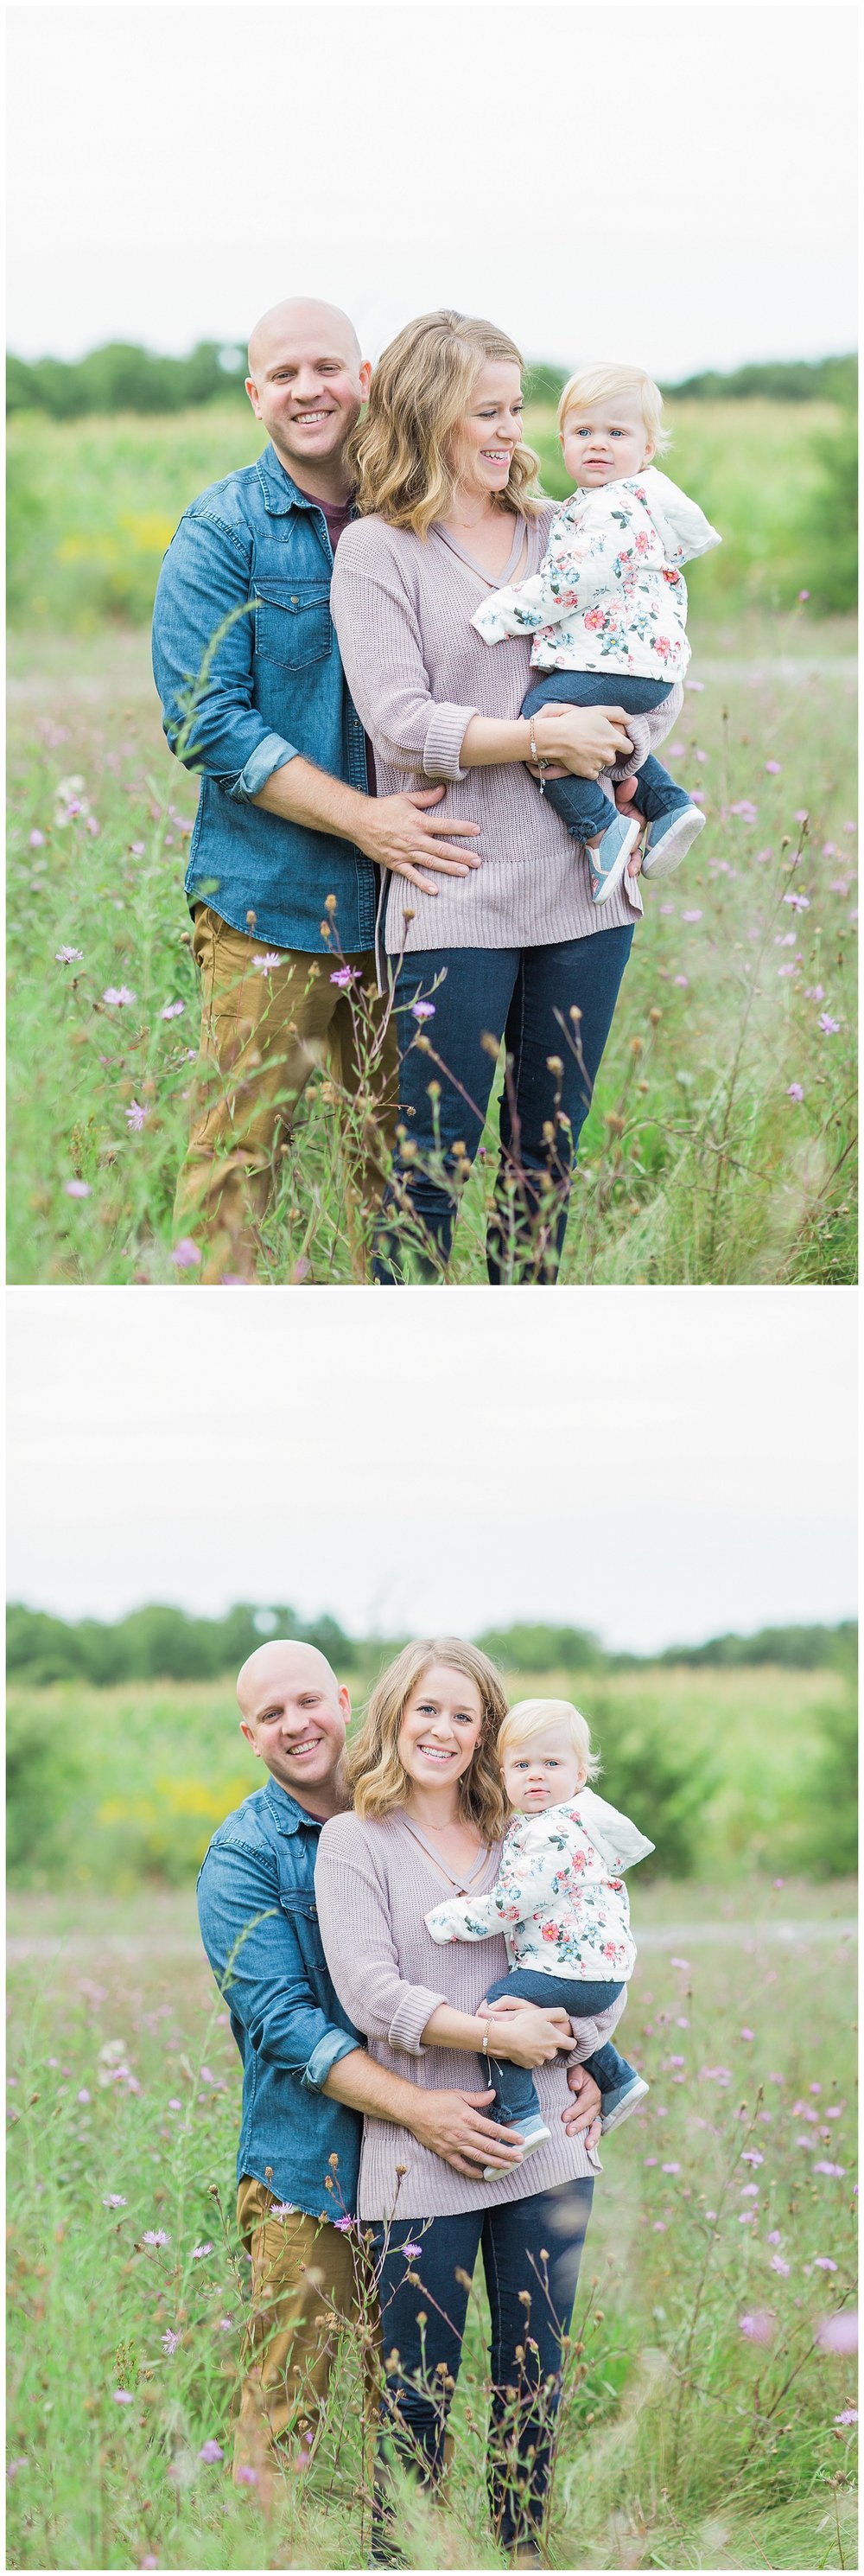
x: 123, y: 377
x: 160, y: 1643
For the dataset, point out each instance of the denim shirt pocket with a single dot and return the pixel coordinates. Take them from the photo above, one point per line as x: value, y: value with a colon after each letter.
x: 293, y: 625
x: 298, y: 1904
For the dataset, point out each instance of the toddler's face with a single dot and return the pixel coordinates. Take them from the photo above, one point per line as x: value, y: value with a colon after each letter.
x: 608, y: 441
x: 543, y: 1772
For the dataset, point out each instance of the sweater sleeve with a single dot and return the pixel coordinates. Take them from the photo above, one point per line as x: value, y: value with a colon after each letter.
x: 382, y: 652
x: 359, y: 1946
x: 579, y: 567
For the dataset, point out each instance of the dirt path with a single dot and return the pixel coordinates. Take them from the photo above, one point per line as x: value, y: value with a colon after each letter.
x: 677, y: 1937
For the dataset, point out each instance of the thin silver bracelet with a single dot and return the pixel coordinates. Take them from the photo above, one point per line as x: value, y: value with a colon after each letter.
x: 537, y: 756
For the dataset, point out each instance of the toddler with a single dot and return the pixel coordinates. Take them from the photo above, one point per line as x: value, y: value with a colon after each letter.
x: 559, y: 1901
x: 608, y: 609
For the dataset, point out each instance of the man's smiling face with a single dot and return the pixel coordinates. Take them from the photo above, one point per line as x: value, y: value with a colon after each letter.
x: 307, y: 382
x: 294, y: 1715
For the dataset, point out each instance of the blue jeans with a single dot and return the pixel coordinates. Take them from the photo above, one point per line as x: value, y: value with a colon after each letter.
x: 515, y: 2090
x: 527, y: 997
x: 581, y: 804
x: 532, y: 2246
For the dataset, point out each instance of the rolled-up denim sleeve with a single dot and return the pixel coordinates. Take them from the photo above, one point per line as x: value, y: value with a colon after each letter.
x: 203, y: 636
x: 258, y: 1965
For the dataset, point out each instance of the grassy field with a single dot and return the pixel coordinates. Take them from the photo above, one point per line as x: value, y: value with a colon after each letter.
x: 122, y: 1785
x: 708, y: 2415
x: 720, y: 1142
x: 93, y: 502
x: 721, y: 1138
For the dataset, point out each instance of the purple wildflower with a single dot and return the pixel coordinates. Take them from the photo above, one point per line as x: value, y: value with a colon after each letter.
x: 691, y: 916
x: 823, y: 2263
x: 247, y: 2477
x: 345, y: 975
x: 840, y: 2333
x: 423, y: 1010
x: 113, y: 2200
x: 211, y: 2451
x: 670, y: 2168
x: 799, y: 902
x: 751, y: 2155
x: 828, y: 1026
x: 794, y: 1091
x: 822, y: 2167
x: 117, y: 996
x: 745, y: 2033
x: 67, y: 956
x: 758, y: 2325
x: 773, y: 768
x: 170, y: 2341
x: 849, y: 2416
x: 154, y: 2236
x: 778, y: 2265
x: 266, y: 963
x: 122, y: 2397
x: 682, y: 979
x: 199, y: 2251
x: 136, y: 1117
x: 344, y: 2225
x: 77, y: 1189
x: 411, y: 2251
x: 185, y: 1254
x: 171, y: 1010
x: 746, y: 809
x: 37, y: 840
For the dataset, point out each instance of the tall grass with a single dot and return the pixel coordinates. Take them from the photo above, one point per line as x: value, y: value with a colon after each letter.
x: 706, y: 2419
x: 93, y: 502
x: 113, y: 1788
x: 721, y: 1137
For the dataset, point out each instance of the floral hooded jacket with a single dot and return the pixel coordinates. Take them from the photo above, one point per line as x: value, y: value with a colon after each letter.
x: 610, y: 595
x: 558, y: 1898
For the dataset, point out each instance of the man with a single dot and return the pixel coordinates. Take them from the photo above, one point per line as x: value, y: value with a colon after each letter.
x: 288, y: 840
x: 307, y: 2076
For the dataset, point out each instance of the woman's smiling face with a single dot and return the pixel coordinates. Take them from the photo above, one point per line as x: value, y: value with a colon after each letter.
x: 486, y: 437
x: 441, y: 1726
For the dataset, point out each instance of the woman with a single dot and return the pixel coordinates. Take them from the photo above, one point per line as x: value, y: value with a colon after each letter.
x: 514, y: 948
x: 428, y: 1817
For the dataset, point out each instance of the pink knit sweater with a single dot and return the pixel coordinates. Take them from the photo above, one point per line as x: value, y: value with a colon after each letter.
x: 417, y: 672
x: 374, y: 1881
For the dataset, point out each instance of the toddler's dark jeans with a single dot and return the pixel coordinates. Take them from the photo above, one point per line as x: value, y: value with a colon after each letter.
x: 515, y: 2090
x: 581, y: 804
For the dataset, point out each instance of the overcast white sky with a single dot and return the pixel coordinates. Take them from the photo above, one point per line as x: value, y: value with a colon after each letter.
x: 671, y: 185
x: 656, y: 1468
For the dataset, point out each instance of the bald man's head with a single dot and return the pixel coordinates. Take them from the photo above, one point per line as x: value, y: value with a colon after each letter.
x: 307, y: 383
x: 300, y: 315
x: 294, y: 1713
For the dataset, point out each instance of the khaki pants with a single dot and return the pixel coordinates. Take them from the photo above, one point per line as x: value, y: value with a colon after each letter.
x: 307, y: 2279
x: 261, y: 1037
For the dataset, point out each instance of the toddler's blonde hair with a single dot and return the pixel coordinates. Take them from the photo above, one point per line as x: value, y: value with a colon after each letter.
x: 595, y: 383
x: 529, y: 1716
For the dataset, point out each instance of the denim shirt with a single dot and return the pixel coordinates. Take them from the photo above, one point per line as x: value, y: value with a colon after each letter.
x: 256, y: 1900
x: 257, y: 547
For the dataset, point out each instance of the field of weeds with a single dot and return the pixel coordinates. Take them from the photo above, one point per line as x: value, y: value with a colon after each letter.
x: 721, y: 1139
x: 709, y: 2415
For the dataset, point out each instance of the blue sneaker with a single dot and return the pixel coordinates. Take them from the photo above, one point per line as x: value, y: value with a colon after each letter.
x: 617, y: 2106
x: 532, y: 2131
x: 669, y: 840
x: 608, y: 862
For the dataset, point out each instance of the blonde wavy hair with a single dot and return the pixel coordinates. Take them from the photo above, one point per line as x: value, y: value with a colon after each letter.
x: 373, y: 1770
x: 400, y: 452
